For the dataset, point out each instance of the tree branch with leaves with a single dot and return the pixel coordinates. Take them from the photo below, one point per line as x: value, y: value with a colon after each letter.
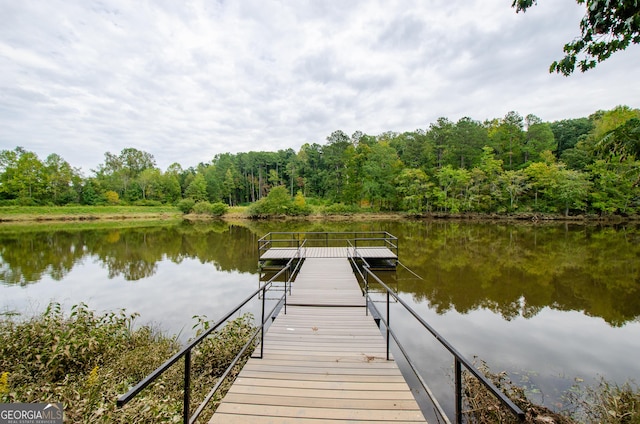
x: 608, y: 26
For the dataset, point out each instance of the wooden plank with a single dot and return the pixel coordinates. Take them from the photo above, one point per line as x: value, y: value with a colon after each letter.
x: 370, y: 415
x: 310, y: 361
x: 263, y: 419
x: 322, y: 385
x: 319, y: 402
x: 287, y: 374
x: 313, y: 393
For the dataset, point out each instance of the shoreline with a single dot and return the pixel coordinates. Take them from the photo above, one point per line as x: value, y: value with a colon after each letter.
x: 110, y: 216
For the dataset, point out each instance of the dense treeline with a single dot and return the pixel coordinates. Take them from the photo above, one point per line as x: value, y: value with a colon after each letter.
x: 585, y: 165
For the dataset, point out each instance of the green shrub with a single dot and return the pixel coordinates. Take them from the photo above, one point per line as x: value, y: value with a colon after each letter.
x: 26, y: 201
x: 87, y: 360
x: 219, y: 209
x: 278, y: 202
x: 186, y: 205
x: 112, y: 197
x: 202, y: 208
x: 51, y: 346
x: 300, y: 206
x: 206, y: 208
x: 314, y: 201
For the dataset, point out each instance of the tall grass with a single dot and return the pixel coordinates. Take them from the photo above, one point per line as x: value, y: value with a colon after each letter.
x: 86, y: 360
x: 606, y: 404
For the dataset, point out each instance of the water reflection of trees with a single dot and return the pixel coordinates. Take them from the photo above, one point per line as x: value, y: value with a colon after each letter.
x: 134, y: 253
x: 519, y: 270
x: 26, y: 257
x: 513, y: 270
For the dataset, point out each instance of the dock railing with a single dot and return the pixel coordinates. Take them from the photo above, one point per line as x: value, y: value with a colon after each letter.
x: 459, y: 360
x: 289, y: 270
x: 328, y: 239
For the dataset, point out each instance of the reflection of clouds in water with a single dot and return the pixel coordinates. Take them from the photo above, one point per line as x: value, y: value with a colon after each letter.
x: 551, y: 349
x: 168, y: 299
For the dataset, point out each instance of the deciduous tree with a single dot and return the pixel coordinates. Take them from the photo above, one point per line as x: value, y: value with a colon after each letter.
x: 197, y: 189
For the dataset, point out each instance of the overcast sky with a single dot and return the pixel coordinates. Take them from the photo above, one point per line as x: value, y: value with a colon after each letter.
x: 186, y: 80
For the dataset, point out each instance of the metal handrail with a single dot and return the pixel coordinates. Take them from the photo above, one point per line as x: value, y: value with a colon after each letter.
x: 186, y: 351
x: 270, y: 239
x: 458, y: 361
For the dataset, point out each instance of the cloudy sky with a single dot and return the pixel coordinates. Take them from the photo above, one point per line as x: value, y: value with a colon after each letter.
x: 186, y: 80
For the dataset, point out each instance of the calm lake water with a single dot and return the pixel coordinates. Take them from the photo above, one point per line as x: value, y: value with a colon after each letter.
x: 550, y: 304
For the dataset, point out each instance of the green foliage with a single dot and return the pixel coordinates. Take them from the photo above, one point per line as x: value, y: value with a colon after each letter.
x: 197, y: 189
x: 52, y: 346
x: 202, y: 208
x: 608, y: 26
x: 449, y: 195
x: 87, y: 360
x: 206, y: 208
x: 186, y: 205
x: 606, y: 404
x: 61, y: 212
x: 219, y: 209
x: 277, y: 202
x: 414, y: 187
x: 112, y: 197
x: 90, y: 193
x: 568, y: 132
x: 501, y: 165
x: 615, y: 186
x: 299, y: 200
x: 300, y: 207
x: 147, y: 203
x: 212, y: 357
x: 341, y: 209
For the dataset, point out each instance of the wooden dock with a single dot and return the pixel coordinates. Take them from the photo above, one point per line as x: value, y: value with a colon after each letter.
x: 324, y: 361
x: 284, y: 253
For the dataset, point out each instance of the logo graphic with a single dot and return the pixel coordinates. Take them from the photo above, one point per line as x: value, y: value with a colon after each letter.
x: 31, y: 413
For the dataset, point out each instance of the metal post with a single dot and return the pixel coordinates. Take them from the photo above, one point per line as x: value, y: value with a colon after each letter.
x: 458, y: 378
x: 262, y: 322
x: 187, y: 387
x: 366, y: 293
x: 388, y: 324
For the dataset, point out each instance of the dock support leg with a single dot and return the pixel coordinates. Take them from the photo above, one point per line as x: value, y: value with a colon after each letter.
x: 262, y: 321
x: 388, y: 324
x: 187, y: 387
x: 458, y: 377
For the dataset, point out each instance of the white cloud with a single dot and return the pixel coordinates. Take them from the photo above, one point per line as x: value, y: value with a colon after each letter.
x: 186, y: 81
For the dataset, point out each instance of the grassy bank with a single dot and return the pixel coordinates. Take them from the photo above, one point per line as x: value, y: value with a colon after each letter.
x: 86, y: 213
x: 605, y: 404
x: 86, y: 360
x: 48, y: 214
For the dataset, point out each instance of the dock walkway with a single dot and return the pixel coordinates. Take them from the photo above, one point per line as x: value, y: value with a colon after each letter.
x: 324, y: 361
x: 283, y: 253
